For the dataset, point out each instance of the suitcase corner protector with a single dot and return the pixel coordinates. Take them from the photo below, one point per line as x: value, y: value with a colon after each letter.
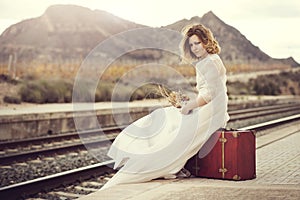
x: 236, y: 177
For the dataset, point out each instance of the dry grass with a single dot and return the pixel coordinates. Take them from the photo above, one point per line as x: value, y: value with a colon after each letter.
x: 239, y: 68
x: 113, y: 72
x: 67, y: 72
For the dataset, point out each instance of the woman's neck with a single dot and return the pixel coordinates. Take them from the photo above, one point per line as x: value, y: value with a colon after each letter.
x: 203, y: 56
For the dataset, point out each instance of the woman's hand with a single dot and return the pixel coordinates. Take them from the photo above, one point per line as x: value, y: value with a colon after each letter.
x: 188, y: 106
x: 185, y: 110
x: 192, y: 104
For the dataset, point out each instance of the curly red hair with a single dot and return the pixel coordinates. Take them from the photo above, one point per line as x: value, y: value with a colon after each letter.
x: 205, y: 36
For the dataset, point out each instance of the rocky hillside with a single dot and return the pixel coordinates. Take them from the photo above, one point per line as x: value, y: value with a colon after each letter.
x: 55, y: 36
x: 69, y: 32
x: 236, y: 48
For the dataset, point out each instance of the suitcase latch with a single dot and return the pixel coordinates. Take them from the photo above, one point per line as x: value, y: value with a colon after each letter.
x: 223, y: 171
x: 223, y: 140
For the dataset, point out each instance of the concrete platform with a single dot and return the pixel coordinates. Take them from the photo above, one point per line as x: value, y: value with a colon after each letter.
x: 278, y: 177
x: 35, y: 120
x: 46, y: 119
x: 69, y: 107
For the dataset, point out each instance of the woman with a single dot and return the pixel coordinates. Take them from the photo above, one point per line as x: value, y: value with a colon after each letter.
x: 159, y: 144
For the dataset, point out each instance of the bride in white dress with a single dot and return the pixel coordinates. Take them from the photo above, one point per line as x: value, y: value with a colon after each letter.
x: 159, y: 144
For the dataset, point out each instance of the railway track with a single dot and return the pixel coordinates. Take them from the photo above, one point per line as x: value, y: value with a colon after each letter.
x: 62, y: 180
x: 67, y: 143
x: 99, y: 169
x: 22, y: 150
x: 263, y: 111
x: 53, y: 158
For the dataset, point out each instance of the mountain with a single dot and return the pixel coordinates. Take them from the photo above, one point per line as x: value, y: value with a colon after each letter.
x: 63, y: 32
x: 235, y: 47
x: 69, y: 32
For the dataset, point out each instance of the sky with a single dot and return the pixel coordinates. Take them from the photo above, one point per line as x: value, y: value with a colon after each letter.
x: 272, y: 25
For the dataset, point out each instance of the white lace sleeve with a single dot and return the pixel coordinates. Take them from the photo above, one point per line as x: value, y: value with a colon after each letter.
x: 209, y: 77
x: 202, y: 87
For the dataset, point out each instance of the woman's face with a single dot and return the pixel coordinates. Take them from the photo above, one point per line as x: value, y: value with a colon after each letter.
x: 197, y: 47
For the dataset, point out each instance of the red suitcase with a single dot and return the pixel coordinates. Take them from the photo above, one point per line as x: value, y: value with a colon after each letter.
x: 232, y: 157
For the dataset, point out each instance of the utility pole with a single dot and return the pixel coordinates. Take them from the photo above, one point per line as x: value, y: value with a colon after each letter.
x: 9, y: 64
x: 15, y: 66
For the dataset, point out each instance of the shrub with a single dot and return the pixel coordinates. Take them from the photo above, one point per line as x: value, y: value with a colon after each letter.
x: 264, y: 85
x: 50, y: 91
x: 7, y: 79
x: 31, y: 92
x: 239, y: 88
x: 12, y: 99
x: 124, y: 92
x: 276, y: 84
x: 150, y: 91
x: 104, y: 92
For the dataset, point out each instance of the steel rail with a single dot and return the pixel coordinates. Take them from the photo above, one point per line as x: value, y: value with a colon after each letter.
x: 65, y: 136
x: 111, y: 133
x: 19, y: 190
x: 50, y: 182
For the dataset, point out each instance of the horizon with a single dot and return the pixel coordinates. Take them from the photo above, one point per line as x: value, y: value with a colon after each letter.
x: 258, y: 24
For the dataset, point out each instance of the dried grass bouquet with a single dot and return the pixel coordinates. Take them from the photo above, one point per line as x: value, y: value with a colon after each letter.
x: 177, y: 99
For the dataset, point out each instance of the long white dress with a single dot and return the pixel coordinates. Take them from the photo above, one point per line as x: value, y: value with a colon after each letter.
x: 159, y: 144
